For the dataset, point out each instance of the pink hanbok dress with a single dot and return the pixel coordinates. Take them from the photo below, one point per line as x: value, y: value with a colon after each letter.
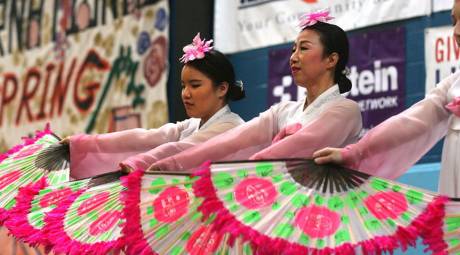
x: 139, y: 148
x: 286, y: 130
x: 391, y: 148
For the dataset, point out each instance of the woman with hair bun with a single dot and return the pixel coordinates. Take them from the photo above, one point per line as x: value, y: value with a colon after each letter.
x: 391, y: 148
x: 208, y: 84
x: 293, y: 129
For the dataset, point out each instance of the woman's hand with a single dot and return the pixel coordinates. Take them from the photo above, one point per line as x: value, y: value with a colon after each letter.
x: 126, y: 169
x: 65, y: 141
x: 328, y: 155
x: 153, y: 168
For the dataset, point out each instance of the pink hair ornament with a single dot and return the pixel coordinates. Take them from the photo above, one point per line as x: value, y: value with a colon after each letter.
x: 196, y: 50
x: 309, y: 19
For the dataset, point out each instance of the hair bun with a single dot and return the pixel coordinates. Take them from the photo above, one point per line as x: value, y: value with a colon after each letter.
x: 344, y: 83
x: 236, y: 91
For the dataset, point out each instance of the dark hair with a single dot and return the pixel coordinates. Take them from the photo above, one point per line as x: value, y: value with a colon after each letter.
x: 334, y: 39
x: 218, y: 68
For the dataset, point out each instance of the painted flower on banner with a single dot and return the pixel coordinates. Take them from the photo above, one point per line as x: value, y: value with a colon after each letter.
x: 33, y: 33
x: 155, y: 61
x: 161, y: 19
x: 143, y: 42
x: 132, y: 8
x: 83, y: 15
x: 60, y: 47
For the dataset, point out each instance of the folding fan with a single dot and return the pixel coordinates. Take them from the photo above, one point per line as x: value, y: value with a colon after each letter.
x: 162, y: 218
x: 27, y: 219
x: 89, y: 222
x: 450, y: 231
x: 26, y: 163
x: 298, y: 207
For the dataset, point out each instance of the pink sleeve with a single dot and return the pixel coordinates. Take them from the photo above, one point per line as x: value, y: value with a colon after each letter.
x: 287, y: 131
x: 337, y: 126
x: 144, y: 160
x: 91, y: 155
x: 238, y: 143
x: 391, y: 148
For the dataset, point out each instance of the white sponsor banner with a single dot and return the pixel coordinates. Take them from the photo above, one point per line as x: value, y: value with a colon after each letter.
x: 249, y: 24
x: 441, y: 55
x: 442, y: 5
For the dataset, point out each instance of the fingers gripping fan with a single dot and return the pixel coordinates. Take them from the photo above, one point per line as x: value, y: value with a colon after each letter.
x: 34, y: 202
x: 162, y: 218
x: 24, y: 164
x: 299, y: 207
x: 88, y: 223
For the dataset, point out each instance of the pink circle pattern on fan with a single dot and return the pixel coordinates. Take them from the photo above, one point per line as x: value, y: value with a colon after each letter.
x: 171, y: 204
x: 9, y: 178
x: 104, y: 223
x: 203, y: 241
x: 28, y: 151
x: 384, y: 205
x: 317, y: 221
x: 54, y: 197
x: 255, y: 193
x: 93, y: 202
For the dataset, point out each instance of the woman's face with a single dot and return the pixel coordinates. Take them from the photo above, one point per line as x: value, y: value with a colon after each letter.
x: 308, y: 64
x: 456, y: 21
x: 200, y: 97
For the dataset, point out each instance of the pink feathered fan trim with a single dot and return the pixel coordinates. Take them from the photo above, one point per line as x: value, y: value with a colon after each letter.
x: 62, y: 243
x: 4, y: 214
x: 18, y: 224
x: 134, y: 237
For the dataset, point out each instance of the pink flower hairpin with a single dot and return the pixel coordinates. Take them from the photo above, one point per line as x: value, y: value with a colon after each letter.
x: 196, y: 50
x: 310, y: 19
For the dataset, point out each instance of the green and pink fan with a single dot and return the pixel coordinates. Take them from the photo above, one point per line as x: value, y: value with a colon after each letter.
x: 450, y: 230
x: 163, y: 218
x: 298, y: 207
x: 27, y: 163
x: 89, y: 222
x: 27, y: 219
